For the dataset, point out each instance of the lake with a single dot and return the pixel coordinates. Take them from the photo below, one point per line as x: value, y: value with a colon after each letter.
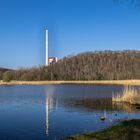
x: 51, y: 112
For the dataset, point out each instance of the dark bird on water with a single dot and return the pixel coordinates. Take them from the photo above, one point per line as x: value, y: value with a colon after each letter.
x: 103, y: 118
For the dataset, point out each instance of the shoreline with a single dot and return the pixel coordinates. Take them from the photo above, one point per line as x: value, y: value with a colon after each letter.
x: 122, y: 130
x: 95, y: 82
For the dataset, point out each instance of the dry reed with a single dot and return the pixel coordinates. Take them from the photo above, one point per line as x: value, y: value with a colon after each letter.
x: 101, y: 82
x: 129, y: 95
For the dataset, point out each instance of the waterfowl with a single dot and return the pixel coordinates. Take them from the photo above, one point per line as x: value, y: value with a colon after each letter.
x: 103, y: 118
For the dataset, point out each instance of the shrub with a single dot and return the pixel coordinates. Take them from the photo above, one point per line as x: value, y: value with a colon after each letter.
x: 7, y: 76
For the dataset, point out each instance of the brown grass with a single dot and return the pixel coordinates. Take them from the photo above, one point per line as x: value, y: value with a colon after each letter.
x: 130, y: 95
x: 103, y: 82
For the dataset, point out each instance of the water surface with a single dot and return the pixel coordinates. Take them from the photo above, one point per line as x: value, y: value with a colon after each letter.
x: 50, y: 112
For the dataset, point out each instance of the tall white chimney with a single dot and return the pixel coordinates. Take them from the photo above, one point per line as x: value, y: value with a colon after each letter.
x: 47, y: 48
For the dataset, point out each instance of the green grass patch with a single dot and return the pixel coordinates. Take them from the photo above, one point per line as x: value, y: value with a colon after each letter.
x: 127, y: 130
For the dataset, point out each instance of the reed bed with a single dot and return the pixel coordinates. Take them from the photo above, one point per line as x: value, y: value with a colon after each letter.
x: 100, y: 82
x: 129, y: 95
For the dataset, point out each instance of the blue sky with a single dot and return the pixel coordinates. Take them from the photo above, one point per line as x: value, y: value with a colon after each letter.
x: 74, y: 26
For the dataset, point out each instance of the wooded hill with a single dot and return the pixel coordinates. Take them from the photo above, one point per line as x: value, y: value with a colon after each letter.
x: 3, y: 69
x: 105, y: 65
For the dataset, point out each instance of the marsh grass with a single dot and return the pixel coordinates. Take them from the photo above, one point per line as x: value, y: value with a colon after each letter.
x: 98, y: 82
x: 129, y: 95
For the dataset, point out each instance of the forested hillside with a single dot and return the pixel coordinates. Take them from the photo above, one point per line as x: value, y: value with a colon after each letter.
x: 3, y: 69
x: 106, y: 65
x: 97, y: 66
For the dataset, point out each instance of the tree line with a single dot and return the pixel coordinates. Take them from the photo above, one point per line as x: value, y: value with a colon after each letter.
x: 102, y: 65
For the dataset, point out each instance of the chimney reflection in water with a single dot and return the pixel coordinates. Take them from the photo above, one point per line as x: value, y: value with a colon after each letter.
x: 50, y: 104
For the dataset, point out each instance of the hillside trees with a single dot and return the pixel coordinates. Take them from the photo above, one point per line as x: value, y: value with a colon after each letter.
x: 103, y: 65
x: 106, y: 65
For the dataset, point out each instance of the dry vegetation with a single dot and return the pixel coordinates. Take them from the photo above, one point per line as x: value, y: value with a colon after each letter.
x: 103, y: 82
x: 129, y: 95
x: 89, y: 66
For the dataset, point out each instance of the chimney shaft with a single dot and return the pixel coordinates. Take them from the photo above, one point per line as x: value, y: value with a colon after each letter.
x: 47, y: 48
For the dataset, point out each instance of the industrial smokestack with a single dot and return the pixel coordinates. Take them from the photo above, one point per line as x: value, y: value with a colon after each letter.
x: 47, y: 48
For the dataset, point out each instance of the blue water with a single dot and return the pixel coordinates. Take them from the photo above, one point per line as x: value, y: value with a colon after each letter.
x: 50, y: 112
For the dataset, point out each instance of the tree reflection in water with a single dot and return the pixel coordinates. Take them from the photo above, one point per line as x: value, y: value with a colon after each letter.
x: 99, y: 104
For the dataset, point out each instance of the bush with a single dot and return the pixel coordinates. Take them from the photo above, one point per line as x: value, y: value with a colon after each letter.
x: 1, y: 75
x: 7, y: 76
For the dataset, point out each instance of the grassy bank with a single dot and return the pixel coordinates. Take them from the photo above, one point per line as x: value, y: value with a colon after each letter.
x: 127, y: 130
x: 104, y: 82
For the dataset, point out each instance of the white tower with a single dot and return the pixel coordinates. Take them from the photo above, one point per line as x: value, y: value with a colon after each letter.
x: 47, y: 48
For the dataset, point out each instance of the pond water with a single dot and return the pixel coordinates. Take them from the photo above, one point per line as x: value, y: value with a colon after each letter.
x: 50, y: 112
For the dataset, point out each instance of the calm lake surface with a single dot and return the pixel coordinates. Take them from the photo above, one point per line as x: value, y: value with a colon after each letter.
x: 51, y: 112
